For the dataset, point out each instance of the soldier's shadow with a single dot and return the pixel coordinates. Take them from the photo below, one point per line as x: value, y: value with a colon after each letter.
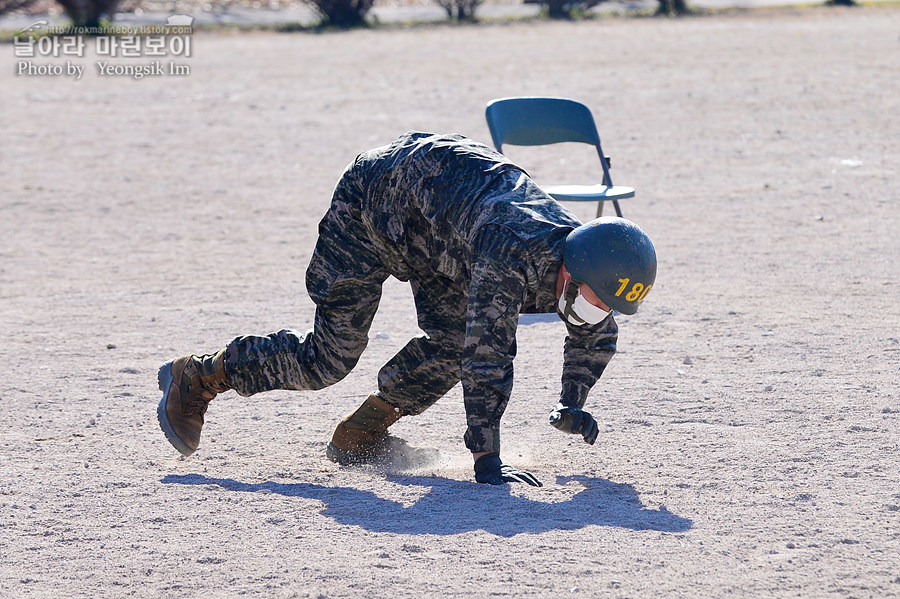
x: 450, y: 507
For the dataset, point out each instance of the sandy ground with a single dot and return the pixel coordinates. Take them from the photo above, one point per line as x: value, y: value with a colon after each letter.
x: 749, y: 438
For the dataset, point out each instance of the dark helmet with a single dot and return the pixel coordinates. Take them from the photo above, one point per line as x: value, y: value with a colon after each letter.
x: 615, y: 258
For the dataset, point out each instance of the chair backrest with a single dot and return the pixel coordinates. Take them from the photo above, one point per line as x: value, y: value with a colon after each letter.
x: 534, y: 121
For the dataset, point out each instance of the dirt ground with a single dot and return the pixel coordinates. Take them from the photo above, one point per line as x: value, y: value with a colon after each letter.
x: 749, y: 436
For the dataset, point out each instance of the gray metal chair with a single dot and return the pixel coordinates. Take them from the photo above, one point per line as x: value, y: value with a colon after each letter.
x: 536, y: 121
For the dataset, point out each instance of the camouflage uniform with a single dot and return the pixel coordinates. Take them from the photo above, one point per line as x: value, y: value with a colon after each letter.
x: 479, y: 243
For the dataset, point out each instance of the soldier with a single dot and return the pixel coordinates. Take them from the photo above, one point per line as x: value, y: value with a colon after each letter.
x: 480, y: 244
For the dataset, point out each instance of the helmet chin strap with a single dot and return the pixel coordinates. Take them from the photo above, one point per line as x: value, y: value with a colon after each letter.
x: 567, y: 314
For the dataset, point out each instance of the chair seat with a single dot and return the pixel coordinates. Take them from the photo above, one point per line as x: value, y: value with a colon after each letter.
x: 588, y: 193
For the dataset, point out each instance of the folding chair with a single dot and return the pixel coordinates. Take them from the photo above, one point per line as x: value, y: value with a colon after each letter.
x: 531, y: 121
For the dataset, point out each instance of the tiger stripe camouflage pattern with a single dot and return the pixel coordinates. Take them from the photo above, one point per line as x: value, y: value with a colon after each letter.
x: 479, y: 243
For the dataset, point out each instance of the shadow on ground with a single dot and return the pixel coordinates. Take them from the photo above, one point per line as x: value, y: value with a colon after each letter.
x: 451, y: 507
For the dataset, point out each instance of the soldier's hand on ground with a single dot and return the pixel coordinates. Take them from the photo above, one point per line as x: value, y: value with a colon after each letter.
x: 490, y: 470
x: 569, y: 419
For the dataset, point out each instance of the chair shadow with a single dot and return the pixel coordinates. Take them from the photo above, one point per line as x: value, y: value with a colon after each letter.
x: 452, y: 507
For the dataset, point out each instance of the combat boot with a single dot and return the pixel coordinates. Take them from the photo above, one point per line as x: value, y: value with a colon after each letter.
x: 188, y: 384
x: 362, y: 438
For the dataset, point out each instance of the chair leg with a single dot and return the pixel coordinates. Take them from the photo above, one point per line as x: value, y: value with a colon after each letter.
x: 600, y: 208
x: 618, y: 210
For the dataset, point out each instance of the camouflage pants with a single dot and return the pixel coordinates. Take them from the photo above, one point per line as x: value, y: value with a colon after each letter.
x: 344, y: 280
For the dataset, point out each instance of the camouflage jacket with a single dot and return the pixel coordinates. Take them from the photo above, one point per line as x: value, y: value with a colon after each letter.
x: 448, y: 205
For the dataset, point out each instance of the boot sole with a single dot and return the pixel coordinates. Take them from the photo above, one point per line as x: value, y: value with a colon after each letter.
x: 166, y: 380
x: 400, y: 457
x: 347, y: 458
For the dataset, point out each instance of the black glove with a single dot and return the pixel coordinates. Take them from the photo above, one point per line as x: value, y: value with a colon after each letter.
x: 489, y: 469
x: 569, y: 419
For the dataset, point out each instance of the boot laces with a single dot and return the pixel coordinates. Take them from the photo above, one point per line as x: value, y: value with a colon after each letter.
x: 198, y: 402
